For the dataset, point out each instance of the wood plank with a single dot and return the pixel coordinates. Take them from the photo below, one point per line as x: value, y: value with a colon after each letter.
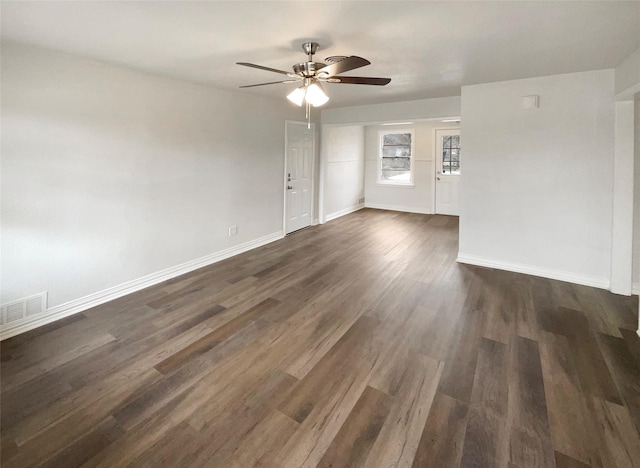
x: 81, y: 450
x: 20, y: 342
x: 220, y: 334
x: 490, y: 389
x: 626, y: 371
x: 595, y: 377
x: 326, y: 396
x: 207, y: 367
x: 521, y: 304
x: 20, y: 371
x: 218, y: 439
x: 591, y: 303
x: 632, y: 340
x: 530, y: 439
x: 621, y: 439
x: 500, y: 317
x: 398, y: 440
x: 565, y: 461
x: 38, y: 442
x: 442, y: 438
x: 357, y: 435
x: 321, y: 383
x: 481, y: 440
x: 486, y: 436
x: 459, y: 370
x: 431, y: 331
x: 325, y: 329
x: 571, y: 424
x: 261, y: 445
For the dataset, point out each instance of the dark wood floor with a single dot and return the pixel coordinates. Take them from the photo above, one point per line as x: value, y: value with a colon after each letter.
x: 358, y: 343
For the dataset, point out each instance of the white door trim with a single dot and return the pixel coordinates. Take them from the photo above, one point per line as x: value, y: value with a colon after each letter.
x: 622, y: 219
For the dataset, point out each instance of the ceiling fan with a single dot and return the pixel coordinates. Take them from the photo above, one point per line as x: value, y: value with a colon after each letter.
x: 310, y: 74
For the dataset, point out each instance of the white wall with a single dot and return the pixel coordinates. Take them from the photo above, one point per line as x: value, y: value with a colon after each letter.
x: 416, y: 199
x: 636, y: 200
x: 628, y: 74
x: 394, y: 112
x: 536, y: 189
x: 342, y: 170
x: 109, y: 174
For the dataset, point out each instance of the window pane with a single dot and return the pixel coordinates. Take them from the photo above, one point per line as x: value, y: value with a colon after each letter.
x: 396, y: 163
x: 396, y: 151
x: 451, y: 154
x: 397, y: 139
x: 388, y: 152
x: 396, y: 176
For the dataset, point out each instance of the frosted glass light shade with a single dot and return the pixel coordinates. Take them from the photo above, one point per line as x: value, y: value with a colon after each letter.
x: 315, y: 95
x: 297, y: 96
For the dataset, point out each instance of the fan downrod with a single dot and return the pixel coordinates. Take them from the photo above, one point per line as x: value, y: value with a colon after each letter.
x: 309, y: 68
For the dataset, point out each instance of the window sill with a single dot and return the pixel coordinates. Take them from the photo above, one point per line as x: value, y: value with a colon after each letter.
x: 392, y: 185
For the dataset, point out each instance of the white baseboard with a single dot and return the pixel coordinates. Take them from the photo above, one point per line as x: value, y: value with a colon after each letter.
x: 78, y: 305
x: 585, y: 280
x: 346, y: 211
x: 635, y: 289
x: 406, y: 209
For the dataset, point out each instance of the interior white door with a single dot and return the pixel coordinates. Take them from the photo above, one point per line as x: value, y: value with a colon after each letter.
x: 447, y: 171
x: 298, y: 176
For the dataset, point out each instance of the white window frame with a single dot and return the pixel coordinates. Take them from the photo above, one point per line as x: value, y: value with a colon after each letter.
x: 381, y: 134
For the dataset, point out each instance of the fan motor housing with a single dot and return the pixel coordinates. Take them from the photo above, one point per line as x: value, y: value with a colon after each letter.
x: 308, y: 69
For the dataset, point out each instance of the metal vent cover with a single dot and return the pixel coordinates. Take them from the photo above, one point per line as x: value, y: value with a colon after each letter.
x: 335, y: 58
x: 23, y: 309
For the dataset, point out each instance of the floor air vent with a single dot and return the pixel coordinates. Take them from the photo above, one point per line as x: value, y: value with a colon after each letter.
x: 24, y: 308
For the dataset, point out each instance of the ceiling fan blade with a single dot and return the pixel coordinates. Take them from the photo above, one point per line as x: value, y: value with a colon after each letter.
x: 359, y: 80
x: 271, y: 82
x: 260, y: 67
x: 350, y: 63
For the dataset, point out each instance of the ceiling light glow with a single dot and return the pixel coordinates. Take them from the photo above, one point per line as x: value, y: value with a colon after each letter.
x: 297, y: 96
x: 316, y: 95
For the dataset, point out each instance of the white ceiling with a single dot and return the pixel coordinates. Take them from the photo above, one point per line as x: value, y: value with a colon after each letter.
x: 429, y: 49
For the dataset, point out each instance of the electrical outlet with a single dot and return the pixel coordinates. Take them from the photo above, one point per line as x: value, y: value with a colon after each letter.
x: 233, y: 230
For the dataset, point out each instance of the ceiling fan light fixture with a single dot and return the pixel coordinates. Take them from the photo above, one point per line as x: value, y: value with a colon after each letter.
x: 297, y: 96
x: 316, y: 95
x: 311, y: 73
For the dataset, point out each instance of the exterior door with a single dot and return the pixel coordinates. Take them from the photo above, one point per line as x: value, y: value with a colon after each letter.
x: 447, y: 171
x: 298, y: 176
